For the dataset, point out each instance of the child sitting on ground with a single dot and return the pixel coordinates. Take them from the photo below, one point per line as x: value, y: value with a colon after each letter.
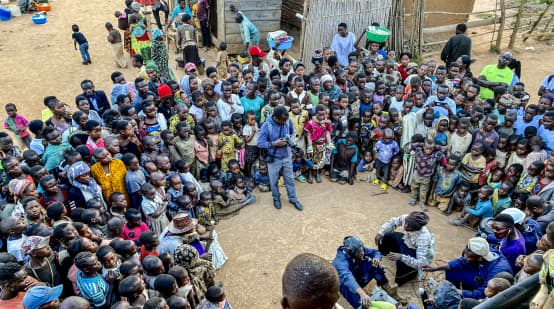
x: 261, y: 178
x: 483, y: 208
x: 446, y: 180
x: 396, y: 174
x: 365, y: 168
x: 238, y: 194
x: 300, y: 164
x: 529, y: 179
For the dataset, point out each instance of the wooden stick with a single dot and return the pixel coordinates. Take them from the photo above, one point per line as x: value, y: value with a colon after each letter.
x: 537, y: 21
x: 517, y: 24
x: 534, y: 35
x: 502, y: 24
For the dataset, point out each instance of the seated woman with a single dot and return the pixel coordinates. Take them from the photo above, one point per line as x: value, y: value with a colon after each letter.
x: 201, y: 272
x: 411, y: 249
x: 185, y: 230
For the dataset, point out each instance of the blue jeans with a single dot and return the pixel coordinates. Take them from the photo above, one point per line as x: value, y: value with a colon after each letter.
x: 277, y: 168
x: 83, y: 48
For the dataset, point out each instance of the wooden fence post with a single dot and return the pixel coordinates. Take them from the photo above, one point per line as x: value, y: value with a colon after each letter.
x: 502, y: 24
x: 517, y: 23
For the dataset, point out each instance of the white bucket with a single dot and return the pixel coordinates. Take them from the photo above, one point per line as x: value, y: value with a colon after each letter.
x: 16, y: 11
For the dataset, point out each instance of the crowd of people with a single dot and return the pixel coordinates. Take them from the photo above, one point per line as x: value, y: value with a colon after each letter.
x: 114, y: 201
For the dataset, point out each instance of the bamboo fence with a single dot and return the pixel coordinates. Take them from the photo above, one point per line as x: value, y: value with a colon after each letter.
x: 322, y: 18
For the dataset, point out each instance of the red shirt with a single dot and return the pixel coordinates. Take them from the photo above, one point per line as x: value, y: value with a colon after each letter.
x: 133, y: 233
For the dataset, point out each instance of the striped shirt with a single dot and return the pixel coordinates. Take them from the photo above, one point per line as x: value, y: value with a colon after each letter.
x: 422, y: 241
x: 93, y: 289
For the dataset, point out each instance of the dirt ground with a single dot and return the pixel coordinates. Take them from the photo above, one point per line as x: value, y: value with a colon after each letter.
x: 39, y: 60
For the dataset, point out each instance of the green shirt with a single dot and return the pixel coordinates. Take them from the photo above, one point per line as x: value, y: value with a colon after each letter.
x: 496, y: 75
x: 254, y: 105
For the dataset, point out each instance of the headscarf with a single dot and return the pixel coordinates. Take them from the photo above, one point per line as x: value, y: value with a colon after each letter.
x: 156, y: 33
x: 326, y: 78
x: 151, y: 65
x: 187, y: 256
x: 136, y: 7
x: 417, y: 220
x: 80, y: 168
x: 185, y: 84
x: 18, y: 187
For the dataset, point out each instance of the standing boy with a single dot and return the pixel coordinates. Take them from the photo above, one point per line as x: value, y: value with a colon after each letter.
x: 386, y: 148
x: 114, y: 37
x: 79, y: 38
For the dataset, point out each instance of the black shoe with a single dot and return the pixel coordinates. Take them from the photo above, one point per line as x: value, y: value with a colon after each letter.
x: 277, y: 204
x: 317, y: 177
x: 310, y: 179
x: 89, y: 62
x: 85, y: 62
x: 297, y: 205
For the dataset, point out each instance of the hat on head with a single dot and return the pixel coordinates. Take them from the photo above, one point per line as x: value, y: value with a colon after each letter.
x: 190, y: 67
x: 352, y: 245
x: 181, y: 223
x: 34, y: 242
x: 326, y: 78
x: 41, y: 295
x: 507, y: 55
x: 516, y: 214
x: 164, y: 91
x: 480, y: 247
x: 317, y: 57
x: 256, y: 51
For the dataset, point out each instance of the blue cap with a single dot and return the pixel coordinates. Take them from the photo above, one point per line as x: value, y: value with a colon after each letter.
x: 40, y: 295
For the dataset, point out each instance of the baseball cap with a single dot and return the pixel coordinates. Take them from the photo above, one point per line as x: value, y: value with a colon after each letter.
x: 190, y: 67
x: 40, y: 295
x: 352, y: 245
x: 480, y: 247
x: 34, y: 242
x: 256, y: 51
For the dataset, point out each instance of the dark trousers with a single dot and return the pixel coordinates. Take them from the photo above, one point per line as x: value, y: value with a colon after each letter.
x: 156, y: 13
x: 368, y: 273
x: 382, y: 170
x: 393, y: 242
x: 206, y: 36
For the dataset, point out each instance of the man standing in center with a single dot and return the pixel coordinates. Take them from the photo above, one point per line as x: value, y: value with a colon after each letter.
x: 276, y: 137
x: 458, y: 45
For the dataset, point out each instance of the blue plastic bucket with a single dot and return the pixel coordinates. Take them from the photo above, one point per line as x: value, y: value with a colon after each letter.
x: 283, y: 45
x: 5, y: 14
x: 39, y: 19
